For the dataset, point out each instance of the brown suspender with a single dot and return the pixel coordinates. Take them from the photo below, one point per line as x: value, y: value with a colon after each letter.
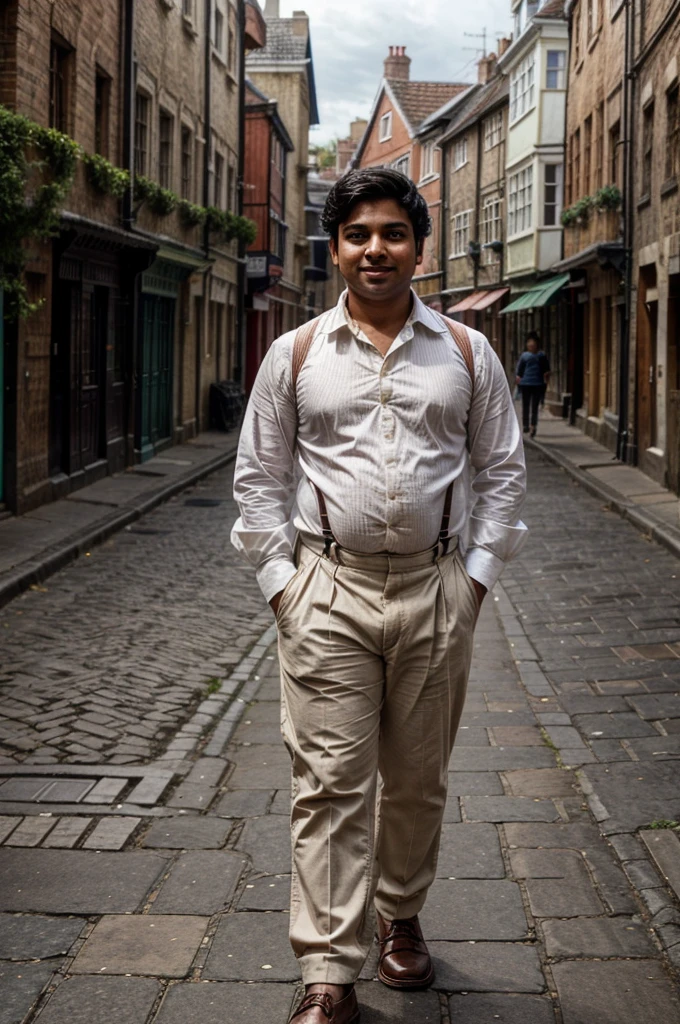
x: 301, y: 346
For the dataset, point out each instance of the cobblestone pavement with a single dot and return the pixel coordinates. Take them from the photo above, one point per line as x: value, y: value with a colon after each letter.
x: 168, y: 903
x: 105, y: 660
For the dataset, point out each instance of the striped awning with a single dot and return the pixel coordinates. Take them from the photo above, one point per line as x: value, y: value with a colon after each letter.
x: 538, y: 296
x: 478, y: 300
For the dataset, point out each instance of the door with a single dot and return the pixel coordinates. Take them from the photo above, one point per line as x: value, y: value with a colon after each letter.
x: 576, y: 359
x: 673, y: 336
x: 155, y: 417
x: 646, y: 361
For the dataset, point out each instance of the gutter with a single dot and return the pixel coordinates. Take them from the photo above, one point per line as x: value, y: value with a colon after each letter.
x: 622, y: 438
x: 240, y: 361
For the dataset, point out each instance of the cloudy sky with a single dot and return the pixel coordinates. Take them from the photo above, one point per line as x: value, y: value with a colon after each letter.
x: 350, y: 39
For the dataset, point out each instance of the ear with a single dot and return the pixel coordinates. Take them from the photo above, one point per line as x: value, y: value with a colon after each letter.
x: 420, y: 252
x: 333, y: 249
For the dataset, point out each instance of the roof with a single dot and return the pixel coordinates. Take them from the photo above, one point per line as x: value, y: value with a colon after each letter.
x: 282, y: 43
x: 488, y: 96
x: 417, y: 100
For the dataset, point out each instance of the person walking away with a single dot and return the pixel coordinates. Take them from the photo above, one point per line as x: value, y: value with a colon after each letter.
x: 532, y: 376
x: 352, y: 486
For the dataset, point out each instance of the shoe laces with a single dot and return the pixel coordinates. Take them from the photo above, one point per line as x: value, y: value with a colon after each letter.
x: 324, y: 1000
x: 404, y: 928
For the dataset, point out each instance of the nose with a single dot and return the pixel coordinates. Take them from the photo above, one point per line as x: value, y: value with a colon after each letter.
x: 375, y: 247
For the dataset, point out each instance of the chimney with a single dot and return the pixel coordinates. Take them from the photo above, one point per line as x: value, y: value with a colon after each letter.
x: 357, y: 129
x: 300, y: 23
x: 397, y: 64
x: 271, y: 9
x: 503, y: 45
x: 486, y: 68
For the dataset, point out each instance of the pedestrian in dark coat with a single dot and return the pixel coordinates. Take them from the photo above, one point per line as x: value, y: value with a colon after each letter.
x: 532, y: 376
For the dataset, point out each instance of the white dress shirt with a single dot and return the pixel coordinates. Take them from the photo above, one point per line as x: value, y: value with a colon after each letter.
x: 382, y: 437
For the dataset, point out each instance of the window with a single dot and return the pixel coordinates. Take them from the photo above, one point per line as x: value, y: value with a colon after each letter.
x: 576, y: 30
x: 403, y: 165
x: 576, y: 161
x: 218, y: 30
x: 599, y: 147
x: 556, y: 66
x: 460, y: 153
x: 187, y: 163
x: 102, y: 93
x: 647, y: 148
x: 141, y: 134
x: 587, y: 143
x: 231, y: 198
x: 672, y: 133
x: 615, y: 153
x: 493, y: 130
x: 231, y: 49
x: 592, y: 17
x: 427, y: 163
x: 520, y: 195
x: 522, y: 91
x: 491, y: 227
x: 188, y: 8
x: 552, y: 195
x: 386, y: 126
x: 219, y: 180
x: 165, y: 133
x: 59, y: 82
x: 461, y: 232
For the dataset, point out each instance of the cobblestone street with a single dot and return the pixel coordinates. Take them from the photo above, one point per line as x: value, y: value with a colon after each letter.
x: 144, y: 789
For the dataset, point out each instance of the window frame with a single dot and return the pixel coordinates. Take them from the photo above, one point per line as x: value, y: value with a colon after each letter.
x: 166, y: 134
x: 460, y: 152
x: 493, y: 130
x: 60, y: 72
x: 187, y: 163
x: 385, y: 127
x: 102, y: 112
x: 672, y: 168
x: 218, y: 178
x: 556, y: 203
x: 218, y: 25
x: 461, y: 223
x: 402, y: 164
x: 491, y: 227
x: 521, y: 201
x: 523, y: 87
x: 647, y: 141
x: 560, y: 71
x: 142, y: 100
x: 428, y: 161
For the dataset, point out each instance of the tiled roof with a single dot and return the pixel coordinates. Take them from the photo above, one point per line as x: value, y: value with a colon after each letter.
x: 282, y: 44
x: 488, y: 96
x: 419, y: 99
x: 551, y: 9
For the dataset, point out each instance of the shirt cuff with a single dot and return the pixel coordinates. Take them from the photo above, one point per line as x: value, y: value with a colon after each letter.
x: 274, y: 575
x: 483, y: 566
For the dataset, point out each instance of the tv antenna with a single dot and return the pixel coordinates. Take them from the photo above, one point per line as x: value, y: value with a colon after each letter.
x: 477, y: 35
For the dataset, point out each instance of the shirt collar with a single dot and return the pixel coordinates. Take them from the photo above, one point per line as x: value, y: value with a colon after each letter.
x: 420, y: 313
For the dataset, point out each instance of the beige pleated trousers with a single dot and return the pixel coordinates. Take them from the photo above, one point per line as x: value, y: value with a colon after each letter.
x: 375, y: 654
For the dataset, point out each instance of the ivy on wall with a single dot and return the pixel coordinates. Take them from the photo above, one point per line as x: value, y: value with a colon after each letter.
x: 607, y: 198
x: 37, y: 170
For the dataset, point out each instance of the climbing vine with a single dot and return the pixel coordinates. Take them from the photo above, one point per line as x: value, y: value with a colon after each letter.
x: 606, y: 198
x: 37, y: 167
x: 105, y: 176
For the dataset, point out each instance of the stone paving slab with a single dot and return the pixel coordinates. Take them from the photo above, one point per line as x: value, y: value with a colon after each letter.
x: 602, y: 937
x: 252, y: 947
x: 500, y: 759
x: 21, y: 986
x: 487, y: 967
x: 163, y: 947
x: 508, y: 808
x: 475, y: 784
x: 633, y: 795
x: 201, y: 882
x: 29, y: 937
x: 664, y: 847
x: 271, y: 892
x: 267, y: 841
x: 225, y: 1003
x: 470, y: 851
x: 509, y: 1009
x: 97, y: 1000
x: 76, y: 882
x: 474, y: 910
x: 380, y: 1005
x: 187, y: 833
x: 615, y: 993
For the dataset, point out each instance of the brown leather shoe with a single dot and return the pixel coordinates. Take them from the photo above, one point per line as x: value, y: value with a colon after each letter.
x: 404, y: 958
x: 319, y: 1007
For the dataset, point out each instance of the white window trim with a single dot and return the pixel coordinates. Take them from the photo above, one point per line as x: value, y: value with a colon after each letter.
x: 385, y: 129
x: 458, y: 224
x: 559, y: 195
x: 493, y: 131
x: 429, y: 148
x: 561, y: 72
x: 489, y: 257
x: 460, y: 147
x: 405, y: 159
x: 513, y: 209
x: 524, y: 101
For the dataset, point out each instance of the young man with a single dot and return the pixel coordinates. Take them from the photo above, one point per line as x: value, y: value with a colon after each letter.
x: 353, y: 487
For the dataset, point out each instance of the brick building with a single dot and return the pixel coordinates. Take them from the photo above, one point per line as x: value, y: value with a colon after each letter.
x: 284, y: 70
x: 593, y: 239
x: 140, y: 307
x: 473, y: 151
x: 392, y: 140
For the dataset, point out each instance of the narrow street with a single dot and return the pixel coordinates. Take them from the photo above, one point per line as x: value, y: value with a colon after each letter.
x: 144, y: 789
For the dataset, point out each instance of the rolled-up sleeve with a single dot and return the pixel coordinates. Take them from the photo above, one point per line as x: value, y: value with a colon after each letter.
x: 264, y: 477
x: 496, y: 532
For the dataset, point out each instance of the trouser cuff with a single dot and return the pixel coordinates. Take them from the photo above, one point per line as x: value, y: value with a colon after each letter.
x: 396, y: 909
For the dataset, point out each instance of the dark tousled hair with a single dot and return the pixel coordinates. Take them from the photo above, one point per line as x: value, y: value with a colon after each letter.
x: 371, y: 183
x: 534, y: 336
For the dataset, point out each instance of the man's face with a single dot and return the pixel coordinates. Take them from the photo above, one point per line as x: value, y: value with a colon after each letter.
x: 376, y: 250
x: 532, y: 345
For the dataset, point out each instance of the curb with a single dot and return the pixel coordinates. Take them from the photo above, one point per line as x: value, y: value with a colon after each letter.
x: 642, y: 520
x: 53, y: 559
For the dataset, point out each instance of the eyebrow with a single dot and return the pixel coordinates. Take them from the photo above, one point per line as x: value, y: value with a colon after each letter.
x: 385, y: 227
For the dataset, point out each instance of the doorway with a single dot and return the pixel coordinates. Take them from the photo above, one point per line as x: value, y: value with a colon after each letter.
x: 647, y: 322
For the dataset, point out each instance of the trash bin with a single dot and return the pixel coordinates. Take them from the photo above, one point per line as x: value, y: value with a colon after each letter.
x: 227, y: 403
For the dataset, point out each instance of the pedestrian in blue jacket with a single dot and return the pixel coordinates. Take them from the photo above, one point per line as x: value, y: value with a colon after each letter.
x: 532, y: 376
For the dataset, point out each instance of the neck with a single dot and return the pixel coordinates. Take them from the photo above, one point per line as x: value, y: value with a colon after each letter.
x: 382, y: 315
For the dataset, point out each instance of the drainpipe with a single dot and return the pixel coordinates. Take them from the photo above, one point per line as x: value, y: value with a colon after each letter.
x: 207, y: 117
x: 444, y: 226
x: 128, y: 107
x: 628, y: 159
x: 240, y: 327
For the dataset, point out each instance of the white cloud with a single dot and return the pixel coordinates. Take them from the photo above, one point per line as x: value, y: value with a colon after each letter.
x: 350, y: 40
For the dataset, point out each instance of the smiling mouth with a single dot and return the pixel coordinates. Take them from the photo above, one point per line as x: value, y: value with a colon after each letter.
x: 376, y: 271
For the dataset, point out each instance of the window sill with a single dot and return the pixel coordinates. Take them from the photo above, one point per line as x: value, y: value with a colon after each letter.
x: 522, y: 116
x: 189, y: 27
x: 592, y: 43
x: 231, y: 77
x: 428, y: 179
x: 643, y: 201
x: 614, y: 15
x: 385, y: 138
x: 168, y: 4
x: 459, y: 167
x: 669, y: 187
x: 578, y: 67
x: 457, y: 255
x: 220, y: 58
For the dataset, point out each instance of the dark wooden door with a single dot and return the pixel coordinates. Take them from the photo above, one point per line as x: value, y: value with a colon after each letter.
x: 89, y: 312
x: 155, y: 420
x: 646, y: 372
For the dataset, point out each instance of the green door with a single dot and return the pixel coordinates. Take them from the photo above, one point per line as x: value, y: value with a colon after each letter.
x: 158, y: 318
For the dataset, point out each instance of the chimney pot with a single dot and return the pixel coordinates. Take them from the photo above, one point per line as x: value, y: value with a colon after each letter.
x: 398, y: 64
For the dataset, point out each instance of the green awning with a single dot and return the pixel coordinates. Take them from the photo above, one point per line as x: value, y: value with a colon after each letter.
x: 538, y: 296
